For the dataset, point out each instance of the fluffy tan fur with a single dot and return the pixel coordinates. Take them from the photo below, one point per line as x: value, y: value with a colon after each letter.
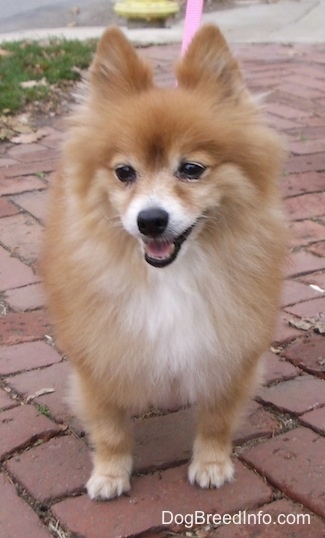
x: 191, y: 332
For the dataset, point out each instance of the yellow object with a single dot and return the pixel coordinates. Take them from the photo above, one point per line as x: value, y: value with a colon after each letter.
x: 146, y: 9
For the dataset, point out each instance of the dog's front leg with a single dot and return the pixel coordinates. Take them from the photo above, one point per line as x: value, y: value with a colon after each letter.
x: 112, y: 457
x: 211, y: 464
x: 108, y: 427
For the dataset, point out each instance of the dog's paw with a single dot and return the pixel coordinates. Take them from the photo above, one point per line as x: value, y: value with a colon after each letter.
x: 104, y: 486
x: 210, y: 474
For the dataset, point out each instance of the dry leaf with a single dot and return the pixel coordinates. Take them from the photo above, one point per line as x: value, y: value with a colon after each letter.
x: 29, y: 138
x: 40, y: 392
x: 276, y: 350
x: 302, y: 324
x: 316, y: 288
x: 4, y: 52
x: 33, y: 83
x: 316, y: 324
x: 6, y: 133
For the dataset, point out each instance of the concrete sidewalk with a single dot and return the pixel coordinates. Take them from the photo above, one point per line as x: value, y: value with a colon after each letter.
x: 279, y: 449
x: 282, y: 21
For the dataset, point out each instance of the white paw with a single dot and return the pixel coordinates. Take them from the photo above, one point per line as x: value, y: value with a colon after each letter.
x: 210, y: 474
x: 104, y: 486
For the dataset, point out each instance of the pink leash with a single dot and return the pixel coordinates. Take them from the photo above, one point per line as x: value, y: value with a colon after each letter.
x: 193, y: 15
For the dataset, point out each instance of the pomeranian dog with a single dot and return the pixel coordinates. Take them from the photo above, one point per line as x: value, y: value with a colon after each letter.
x: 163, y: 251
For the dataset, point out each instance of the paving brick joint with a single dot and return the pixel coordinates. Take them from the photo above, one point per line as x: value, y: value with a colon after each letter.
x: 279, y: 448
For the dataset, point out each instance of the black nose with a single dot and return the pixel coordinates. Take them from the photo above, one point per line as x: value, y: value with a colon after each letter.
x: 153, y: 221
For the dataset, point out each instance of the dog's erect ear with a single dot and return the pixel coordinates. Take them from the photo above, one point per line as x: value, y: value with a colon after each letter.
x: 117, y: 70
x: 209, y: 65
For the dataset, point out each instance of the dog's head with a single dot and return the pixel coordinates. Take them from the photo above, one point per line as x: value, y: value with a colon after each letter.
x: 170, y: 161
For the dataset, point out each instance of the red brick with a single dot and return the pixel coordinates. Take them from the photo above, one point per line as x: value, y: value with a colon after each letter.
x: 256, y: 423
x: 50, y: 177
x: 20, y: 184
x: 308, y: 353
x: 7, y: 209
x: 22, y: 426
x: 5, y: 401
x: 284, y: 332
x: 308, y: 132
x: 309, y: 82
x: 19, y: 327
x: 280, y: 123
x: 31, y: 153
x: 305, y: 232
x: 296, y: 102
x: 17, y: 519
x: 59, y: 123
x: 22, y: 235
x: 305, y: 147
x: 310, y: 70
x: 53, y: 139
x: 300, y: 91
x: 315, y: 419
x: 34, y: 202
x: 55, y: 377
x: 319, y: 58
x: 295, y: 292
x: 26, y: 357
x: 305, y: 206
x: 304, y: 262
x: 167, y: 490
x: 305, y: 163
x: 298, y: 395
x: 163, y: 440
x: 294, y: 184
x: 26, y: 169
x: 272, y: 527
x: 259, y: 72
x: 315, y: 279
x: 26, y: 298
x: 13, y: 272
x: 262, y: 82
x: 308, y: 309
x: 53, y: 469
x: 318, y: 248
x: 4, y: 162
x: 316, y: 121
x: 277, y: 368
x: 287, y: 112
x: 294, y: 463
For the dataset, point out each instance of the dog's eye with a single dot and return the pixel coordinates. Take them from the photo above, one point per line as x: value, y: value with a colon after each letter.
x: 189, y: 170
x: 126, y: 174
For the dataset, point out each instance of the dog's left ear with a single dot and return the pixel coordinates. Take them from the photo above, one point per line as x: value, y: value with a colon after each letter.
x: 209, y: 65
x: 117, y: 70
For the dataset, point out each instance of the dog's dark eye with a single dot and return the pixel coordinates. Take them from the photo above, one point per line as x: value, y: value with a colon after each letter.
x: 190, y: 170
x: 126, y: 174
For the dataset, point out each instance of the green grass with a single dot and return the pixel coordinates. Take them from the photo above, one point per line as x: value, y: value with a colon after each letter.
x: 56, y: 62
x: 44, y: 410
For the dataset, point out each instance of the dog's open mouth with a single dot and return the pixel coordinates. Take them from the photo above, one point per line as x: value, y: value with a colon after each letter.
x: 160, y: 252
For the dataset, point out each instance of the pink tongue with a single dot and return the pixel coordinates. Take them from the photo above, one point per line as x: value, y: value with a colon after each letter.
x: 159, y: 249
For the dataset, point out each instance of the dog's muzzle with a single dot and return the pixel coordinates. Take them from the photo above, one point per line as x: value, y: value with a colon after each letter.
x: 160, y: 249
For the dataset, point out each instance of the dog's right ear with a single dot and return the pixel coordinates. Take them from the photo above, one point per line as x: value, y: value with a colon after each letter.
x: 117, y: 70
x: 210, y: 66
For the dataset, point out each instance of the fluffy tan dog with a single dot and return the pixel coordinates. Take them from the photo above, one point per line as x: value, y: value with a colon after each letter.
x: 163, y: 251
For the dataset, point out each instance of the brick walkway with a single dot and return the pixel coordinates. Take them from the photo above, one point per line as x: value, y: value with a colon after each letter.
x: 280, y: 448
